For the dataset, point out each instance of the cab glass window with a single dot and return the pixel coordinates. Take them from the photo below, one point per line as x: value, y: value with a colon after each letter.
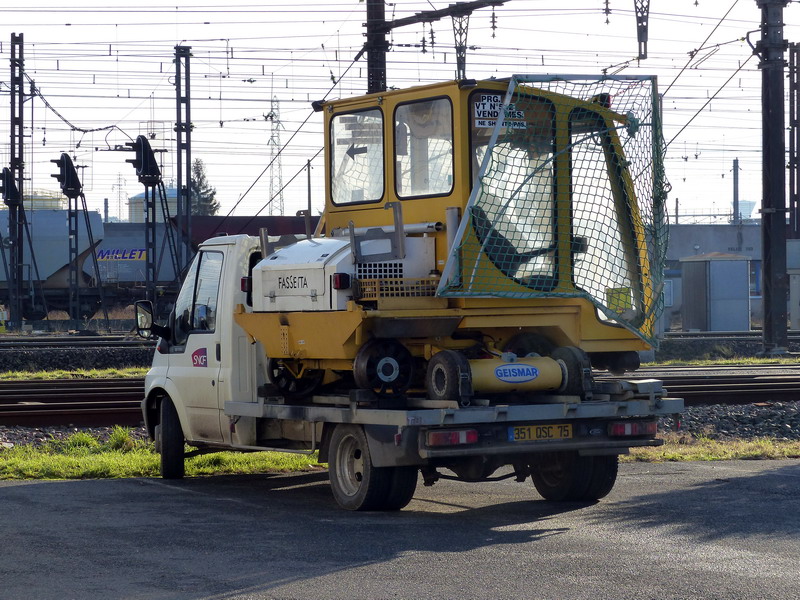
x: 196, y: 306
x: 357, y: 157
x: 514, y: 214
x: 423, y: 148
x: 607, y: 267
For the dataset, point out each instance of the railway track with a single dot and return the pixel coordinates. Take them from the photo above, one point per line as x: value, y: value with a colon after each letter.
x: 68, y: 342
x: 730, y: 388
x: 77, y: 402
x: 104, y: 402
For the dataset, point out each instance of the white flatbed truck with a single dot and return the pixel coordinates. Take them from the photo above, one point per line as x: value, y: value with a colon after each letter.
x: 210, y: 386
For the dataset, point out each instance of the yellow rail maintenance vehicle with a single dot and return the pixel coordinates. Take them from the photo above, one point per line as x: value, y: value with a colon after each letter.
x: 484, y: 245
x: 462, y: 237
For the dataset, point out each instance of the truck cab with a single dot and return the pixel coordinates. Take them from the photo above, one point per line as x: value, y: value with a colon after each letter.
x: 204, y: 356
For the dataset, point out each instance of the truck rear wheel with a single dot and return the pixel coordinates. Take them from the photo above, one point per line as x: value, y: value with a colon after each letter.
x: 604, y: 476
x: 402, y: 488
x: 562, y: 476
x: 170, y: 442
x: 356, y: 483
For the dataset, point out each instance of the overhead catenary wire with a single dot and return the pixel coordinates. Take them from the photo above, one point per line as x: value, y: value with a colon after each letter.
x: 252, y: 185
x: 98, y: 70
x: 694, y: 116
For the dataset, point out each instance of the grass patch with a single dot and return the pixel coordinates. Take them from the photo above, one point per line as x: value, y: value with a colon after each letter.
x: 82, y: 456
x: 121, y: 373
x: 682, y: 447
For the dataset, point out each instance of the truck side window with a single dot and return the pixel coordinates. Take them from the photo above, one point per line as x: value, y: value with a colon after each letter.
x: 196, y: 306
x: 205, y: 298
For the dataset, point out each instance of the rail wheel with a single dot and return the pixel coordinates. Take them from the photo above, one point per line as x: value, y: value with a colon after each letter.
x: 384, y: 366
x: 448, y: 377
x: 578, y: 380
x: 356, y: 483
x: 283, y: 378
x: 170, y: 442
x: 562, y: 476
x: 526, y: 343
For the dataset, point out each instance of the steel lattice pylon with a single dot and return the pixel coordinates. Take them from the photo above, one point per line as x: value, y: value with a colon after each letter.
x: 275, y: 170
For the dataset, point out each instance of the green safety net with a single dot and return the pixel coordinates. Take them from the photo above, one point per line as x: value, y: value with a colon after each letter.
x: 569, y: 198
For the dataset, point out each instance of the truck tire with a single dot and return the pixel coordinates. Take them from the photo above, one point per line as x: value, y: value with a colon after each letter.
x: 604, y: 476
x: 402, y: 488
x: 171, y: 442
x: 562, y: 476
x: 356, y: 483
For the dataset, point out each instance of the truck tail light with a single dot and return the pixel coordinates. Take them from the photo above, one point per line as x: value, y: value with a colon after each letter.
x: 246, y: 284
x: 341, y: 281
x: 452, y: 437
x: 632, y: 428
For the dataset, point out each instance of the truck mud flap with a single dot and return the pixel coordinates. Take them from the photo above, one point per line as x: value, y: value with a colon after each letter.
x: 390, y: 447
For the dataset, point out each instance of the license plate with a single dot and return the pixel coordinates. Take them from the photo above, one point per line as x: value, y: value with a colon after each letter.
x: 533, y: 433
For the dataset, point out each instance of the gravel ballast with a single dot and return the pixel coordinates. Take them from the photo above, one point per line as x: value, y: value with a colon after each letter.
x: 779, y: 420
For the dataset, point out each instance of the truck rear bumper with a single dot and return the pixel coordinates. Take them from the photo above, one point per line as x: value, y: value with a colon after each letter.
x: 587, y: 447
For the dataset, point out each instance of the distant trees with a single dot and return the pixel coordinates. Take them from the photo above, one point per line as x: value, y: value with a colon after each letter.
x: 204, y: 201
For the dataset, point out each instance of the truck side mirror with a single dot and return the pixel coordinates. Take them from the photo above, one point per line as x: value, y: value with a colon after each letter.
x: 144, y: 321
x: 144, y: 318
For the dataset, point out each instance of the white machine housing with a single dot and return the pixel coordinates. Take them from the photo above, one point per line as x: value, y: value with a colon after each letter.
x: 299, y: 277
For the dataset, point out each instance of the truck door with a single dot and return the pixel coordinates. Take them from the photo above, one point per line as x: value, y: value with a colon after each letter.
x: 197, y: 340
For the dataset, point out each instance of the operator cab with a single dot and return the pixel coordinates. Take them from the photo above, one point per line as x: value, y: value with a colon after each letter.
x: 526, y: 190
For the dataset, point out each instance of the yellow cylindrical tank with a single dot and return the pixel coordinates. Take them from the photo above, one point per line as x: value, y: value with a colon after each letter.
x: 522, y: 375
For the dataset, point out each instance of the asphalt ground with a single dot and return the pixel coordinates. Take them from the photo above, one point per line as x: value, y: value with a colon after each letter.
x: 675, y: 530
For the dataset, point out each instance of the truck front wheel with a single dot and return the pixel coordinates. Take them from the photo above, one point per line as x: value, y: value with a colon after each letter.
x: 170, y: 441
x: 359, y: 485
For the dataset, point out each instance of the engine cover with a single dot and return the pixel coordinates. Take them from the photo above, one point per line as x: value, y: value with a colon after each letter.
x: 299, y: 277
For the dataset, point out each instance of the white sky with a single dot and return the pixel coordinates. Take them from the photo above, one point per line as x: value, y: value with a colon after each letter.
x: 101, y: 65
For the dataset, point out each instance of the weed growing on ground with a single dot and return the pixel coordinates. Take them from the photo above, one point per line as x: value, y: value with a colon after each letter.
x: 84, y: 456
x: 683, y: 447
x: 116, y: 373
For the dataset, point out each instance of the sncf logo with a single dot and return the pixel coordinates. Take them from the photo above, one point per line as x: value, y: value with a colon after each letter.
x: 200, y: 358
